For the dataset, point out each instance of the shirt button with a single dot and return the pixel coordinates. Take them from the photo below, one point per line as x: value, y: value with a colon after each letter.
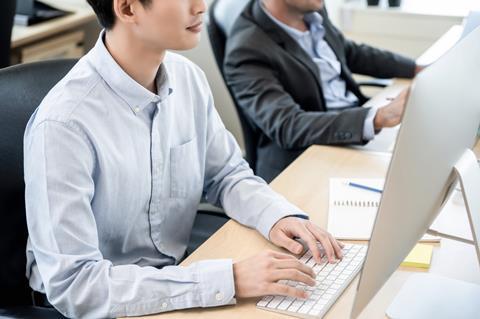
x: 137, y: 109
x: 219, y: 296
x: 164, y: 305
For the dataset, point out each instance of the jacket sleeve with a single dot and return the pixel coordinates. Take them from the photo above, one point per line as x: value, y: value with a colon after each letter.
x: 254, y: 81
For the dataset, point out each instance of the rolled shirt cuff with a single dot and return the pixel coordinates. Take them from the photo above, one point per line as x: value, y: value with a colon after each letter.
x: 368, y: 126
x: 273, y: 213
x: 216, y: 283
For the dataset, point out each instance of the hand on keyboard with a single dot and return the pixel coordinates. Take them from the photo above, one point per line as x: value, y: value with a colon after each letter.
x: 260, y: 275
x: 331, y: 281
x: 286, y: 229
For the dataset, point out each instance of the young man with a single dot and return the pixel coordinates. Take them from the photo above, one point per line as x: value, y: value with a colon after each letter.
x: 291, y: 72
x: 117, y: 157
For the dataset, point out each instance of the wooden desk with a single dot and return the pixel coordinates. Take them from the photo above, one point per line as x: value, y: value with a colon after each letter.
x: 305, y: 183
x: 82, y: 14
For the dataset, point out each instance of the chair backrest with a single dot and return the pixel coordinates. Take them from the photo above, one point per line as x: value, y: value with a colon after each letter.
x: 7, y: 13
x: 221, y: 17
x: 22, y: 88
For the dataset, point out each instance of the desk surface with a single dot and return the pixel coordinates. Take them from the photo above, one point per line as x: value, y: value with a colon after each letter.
x: 82, y: 13
x: 306, y: 183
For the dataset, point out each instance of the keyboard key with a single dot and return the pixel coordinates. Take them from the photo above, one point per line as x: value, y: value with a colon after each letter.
x: 310, y: 262
x: 286, y: 303
x: 275, y: 302
x: 335, y: 286
x: 322, y: 302
x: 305, y: 308
x: 265, y: 300
x: 296, y: 305
x: 315, y: 311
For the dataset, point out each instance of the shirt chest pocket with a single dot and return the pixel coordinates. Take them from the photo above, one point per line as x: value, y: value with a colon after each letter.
x: 186, y: 174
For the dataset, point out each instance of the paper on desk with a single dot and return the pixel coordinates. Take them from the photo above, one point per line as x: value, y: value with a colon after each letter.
x: 419, y: 257
x: 352, y: 211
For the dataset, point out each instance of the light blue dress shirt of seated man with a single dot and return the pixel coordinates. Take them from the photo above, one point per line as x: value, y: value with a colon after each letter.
x: 335, y: 91
x: 114, y: 174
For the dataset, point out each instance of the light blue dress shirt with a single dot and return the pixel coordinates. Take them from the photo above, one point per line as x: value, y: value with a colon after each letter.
x: 114, y: 174
x: 335, y: 91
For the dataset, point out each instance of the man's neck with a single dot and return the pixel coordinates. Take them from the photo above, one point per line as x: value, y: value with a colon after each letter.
x: 286, y: 14
x: 138, y: 61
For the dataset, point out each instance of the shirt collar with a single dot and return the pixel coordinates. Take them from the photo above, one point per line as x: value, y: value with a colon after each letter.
x: 314, y: 21
x: 135, y: 95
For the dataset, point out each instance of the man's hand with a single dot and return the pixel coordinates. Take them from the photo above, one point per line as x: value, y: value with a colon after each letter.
x: 286, y: 229
x: 258, y: 275
x: 391, y: 114
x: 420, y: 68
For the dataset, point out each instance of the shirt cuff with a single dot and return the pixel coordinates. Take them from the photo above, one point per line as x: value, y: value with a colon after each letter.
x: 368, y: 127
x: 273, y: 213
x: 298, y: 216
x: 216, y: 283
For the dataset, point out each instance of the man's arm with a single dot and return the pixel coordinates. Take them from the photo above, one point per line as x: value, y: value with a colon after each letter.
x: 256, y: 86
x: 78, y: 281
x: 229, y: 182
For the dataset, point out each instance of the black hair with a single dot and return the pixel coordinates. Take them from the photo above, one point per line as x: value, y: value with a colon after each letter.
x: 104, y: 11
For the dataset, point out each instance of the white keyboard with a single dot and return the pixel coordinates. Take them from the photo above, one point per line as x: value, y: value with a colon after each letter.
x: 332, y: 280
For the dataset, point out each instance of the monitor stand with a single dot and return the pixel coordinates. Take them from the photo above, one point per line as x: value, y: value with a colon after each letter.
x: 433, y: 296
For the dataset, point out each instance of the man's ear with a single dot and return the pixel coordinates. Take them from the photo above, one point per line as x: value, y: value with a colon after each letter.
x: 124, y: 10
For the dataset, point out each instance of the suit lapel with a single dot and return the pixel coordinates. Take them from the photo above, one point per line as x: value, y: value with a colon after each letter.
x: 278, y: 35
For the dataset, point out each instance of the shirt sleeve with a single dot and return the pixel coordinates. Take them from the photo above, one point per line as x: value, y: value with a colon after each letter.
x: 230, y: 183
x: 78, y: 281
x: 368, y: 126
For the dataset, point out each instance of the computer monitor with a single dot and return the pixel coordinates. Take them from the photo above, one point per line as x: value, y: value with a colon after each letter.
x: 440, y: 124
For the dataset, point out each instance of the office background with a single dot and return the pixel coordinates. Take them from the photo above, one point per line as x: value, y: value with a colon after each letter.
x: 411, y: 30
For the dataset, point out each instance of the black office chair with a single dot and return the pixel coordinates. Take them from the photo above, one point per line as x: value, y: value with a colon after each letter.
x: 7, y: 13
x: 221, y: 16
x: 22, y: 88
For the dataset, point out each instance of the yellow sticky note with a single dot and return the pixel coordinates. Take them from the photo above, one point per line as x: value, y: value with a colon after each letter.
x: 419, y: 257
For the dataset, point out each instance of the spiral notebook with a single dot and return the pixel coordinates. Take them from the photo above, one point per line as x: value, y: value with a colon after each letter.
x: 352, y: 210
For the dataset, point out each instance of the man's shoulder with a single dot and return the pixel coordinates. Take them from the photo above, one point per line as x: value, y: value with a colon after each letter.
x: 70, y: 93
x: 247, y: 35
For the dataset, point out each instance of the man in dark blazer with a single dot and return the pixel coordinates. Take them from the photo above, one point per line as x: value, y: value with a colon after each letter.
x: 291, y: 71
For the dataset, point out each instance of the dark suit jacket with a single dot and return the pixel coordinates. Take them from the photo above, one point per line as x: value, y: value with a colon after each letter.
x: 278, y: 87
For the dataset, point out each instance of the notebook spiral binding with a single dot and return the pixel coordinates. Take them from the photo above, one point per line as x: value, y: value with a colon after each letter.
x: 356, y: 203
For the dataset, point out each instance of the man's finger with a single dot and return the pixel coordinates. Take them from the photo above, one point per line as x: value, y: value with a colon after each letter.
x: 336, y: 247
x: 288, y: 243
x: 284, y: 290
x: 309, y: 238
x: 292, y: 274
x: 295, y: 264
x: 324, y: 241
x: 279, y: 255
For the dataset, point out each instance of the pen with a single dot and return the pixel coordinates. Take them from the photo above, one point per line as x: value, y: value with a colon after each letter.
x: 365, y: 187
